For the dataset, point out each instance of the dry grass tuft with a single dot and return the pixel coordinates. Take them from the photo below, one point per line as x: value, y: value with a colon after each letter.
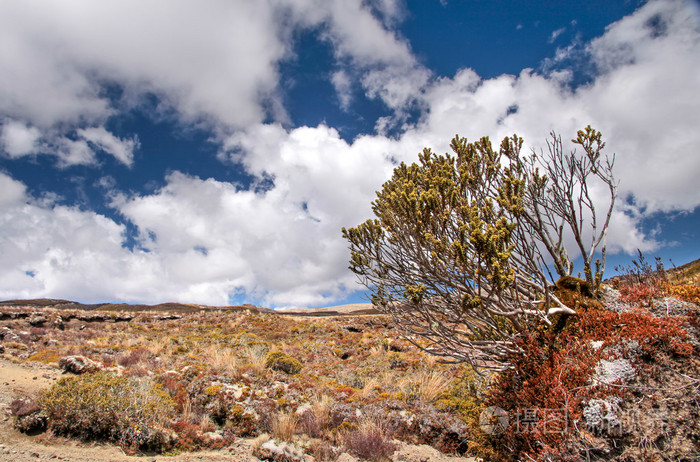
x: 432, y: 384
x: 285, y: 426
x: 255, y: 358
x: 221, y: 360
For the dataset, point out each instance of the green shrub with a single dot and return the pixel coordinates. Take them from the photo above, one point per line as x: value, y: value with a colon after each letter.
x: 280, y: 361
x: 128, y: 410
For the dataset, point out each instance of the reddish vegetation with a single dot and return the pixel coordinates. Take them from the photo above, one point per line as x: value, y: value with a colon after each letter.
x: 555, y: 375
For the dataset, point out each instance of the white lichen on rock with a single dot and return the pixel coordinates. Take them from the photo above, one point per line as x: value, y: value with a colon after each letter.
x: 603, y: 416
x: 613, y: 371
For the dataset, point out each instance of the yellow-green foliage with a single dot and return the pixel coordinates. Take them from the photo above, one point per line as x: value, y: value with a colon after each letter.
x: 46, y: 356
x: 213, y: 390
x: 463, y: 398
x: 280, y: 361
x: 103, y: 405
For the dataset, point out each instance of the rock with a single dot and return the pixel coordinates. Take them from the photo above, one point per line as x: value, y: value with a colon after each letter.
x: 92, y: 317
x: 602, y: 416
x: 116, y: 370
x: 7, y: 335
x: 282, y: 451
x: 79, y: 364
x: 425, y: 453
x: 302, y: 409
x: 37, y: 320
x: 612, y: 371
x: 30, y: 417
x: 212, y: 437
x: 123, y: 317
x: 345, y: 457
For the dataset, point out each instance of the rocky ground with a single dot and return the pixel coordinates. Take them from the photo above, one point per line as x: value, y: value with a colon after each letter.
x: 35, y: 336
x: 26, y: 379
x: 345, y: 361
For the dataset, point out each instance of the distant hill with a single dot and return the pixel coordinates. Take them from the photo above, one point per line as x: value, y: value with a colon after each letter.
x: 185, y: 308
x: 60, y: 304
x: 688, y: 273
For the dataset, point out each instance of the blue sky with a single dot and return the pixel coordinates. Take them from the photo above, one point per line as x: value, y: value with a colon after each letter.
x: 210, y: 152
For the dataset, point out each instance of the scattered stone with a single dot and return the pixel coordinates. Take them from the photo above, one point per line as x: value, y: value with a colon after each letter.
x: 79, y: 364
x: 602, y: 416
x: 37, y: 320
x: 609, y: 372
x: 282, y: 448
x: 345, y: 457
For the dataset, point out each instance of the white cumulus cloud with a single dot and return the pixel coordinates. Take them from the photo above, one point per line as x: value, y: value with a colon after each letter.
x: 121, y: 149
x: 17, y: 139
x: 202, y: 240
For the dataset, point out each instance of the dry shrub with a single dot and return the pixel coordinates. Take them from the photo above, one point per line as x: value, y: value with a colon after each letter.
x: 46, y: 356
x: 654, y: 334
x: 639, y: 283
x: 317, y: 419
x: 687, y: 292
x: 134, y: 357
x: 192, y: 437
x: 640, y: 294
x: 544, y: 377
x: 369, y: 441
x: 323, y: 450
x: 222, y: 360
x: 255, y: 357
x: 372, y: 384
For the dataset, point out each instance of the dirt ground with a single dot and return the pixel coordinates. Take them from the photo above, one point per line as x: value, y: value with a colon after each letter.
x: 28, y: 379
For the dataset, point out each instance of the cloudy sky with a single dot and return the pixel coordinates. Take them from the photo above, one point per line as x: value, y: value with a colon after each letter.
x: 211, y: 151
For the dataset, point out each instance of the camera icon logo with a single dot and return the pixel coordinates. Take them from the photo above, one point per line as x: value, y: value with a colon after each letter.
x: 493, y: 420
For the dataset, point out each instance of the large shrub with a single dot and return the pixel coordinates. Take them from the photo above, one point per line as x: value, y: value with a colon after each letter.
x: 131, y: 411
x: 463, y: 246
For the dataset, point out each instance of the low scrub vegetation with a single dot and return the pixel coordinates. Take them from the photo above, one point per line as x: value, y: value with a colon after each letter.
x: 131, y: 411
x: 325, y: 386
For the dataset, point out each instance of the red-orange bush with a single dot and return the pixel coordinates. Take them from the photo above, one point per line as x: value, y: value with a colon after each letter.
x: 550, y: 376
x: 553, y: 374
x: 640, y: 293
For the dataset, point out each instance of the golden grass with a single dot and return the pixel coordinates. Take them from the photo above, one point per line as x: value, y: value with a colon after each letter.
x: 220, y: 359
x: 321, y: 410
x: 432, y: 384
x: 284, y: 426
x: 255, y: 358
